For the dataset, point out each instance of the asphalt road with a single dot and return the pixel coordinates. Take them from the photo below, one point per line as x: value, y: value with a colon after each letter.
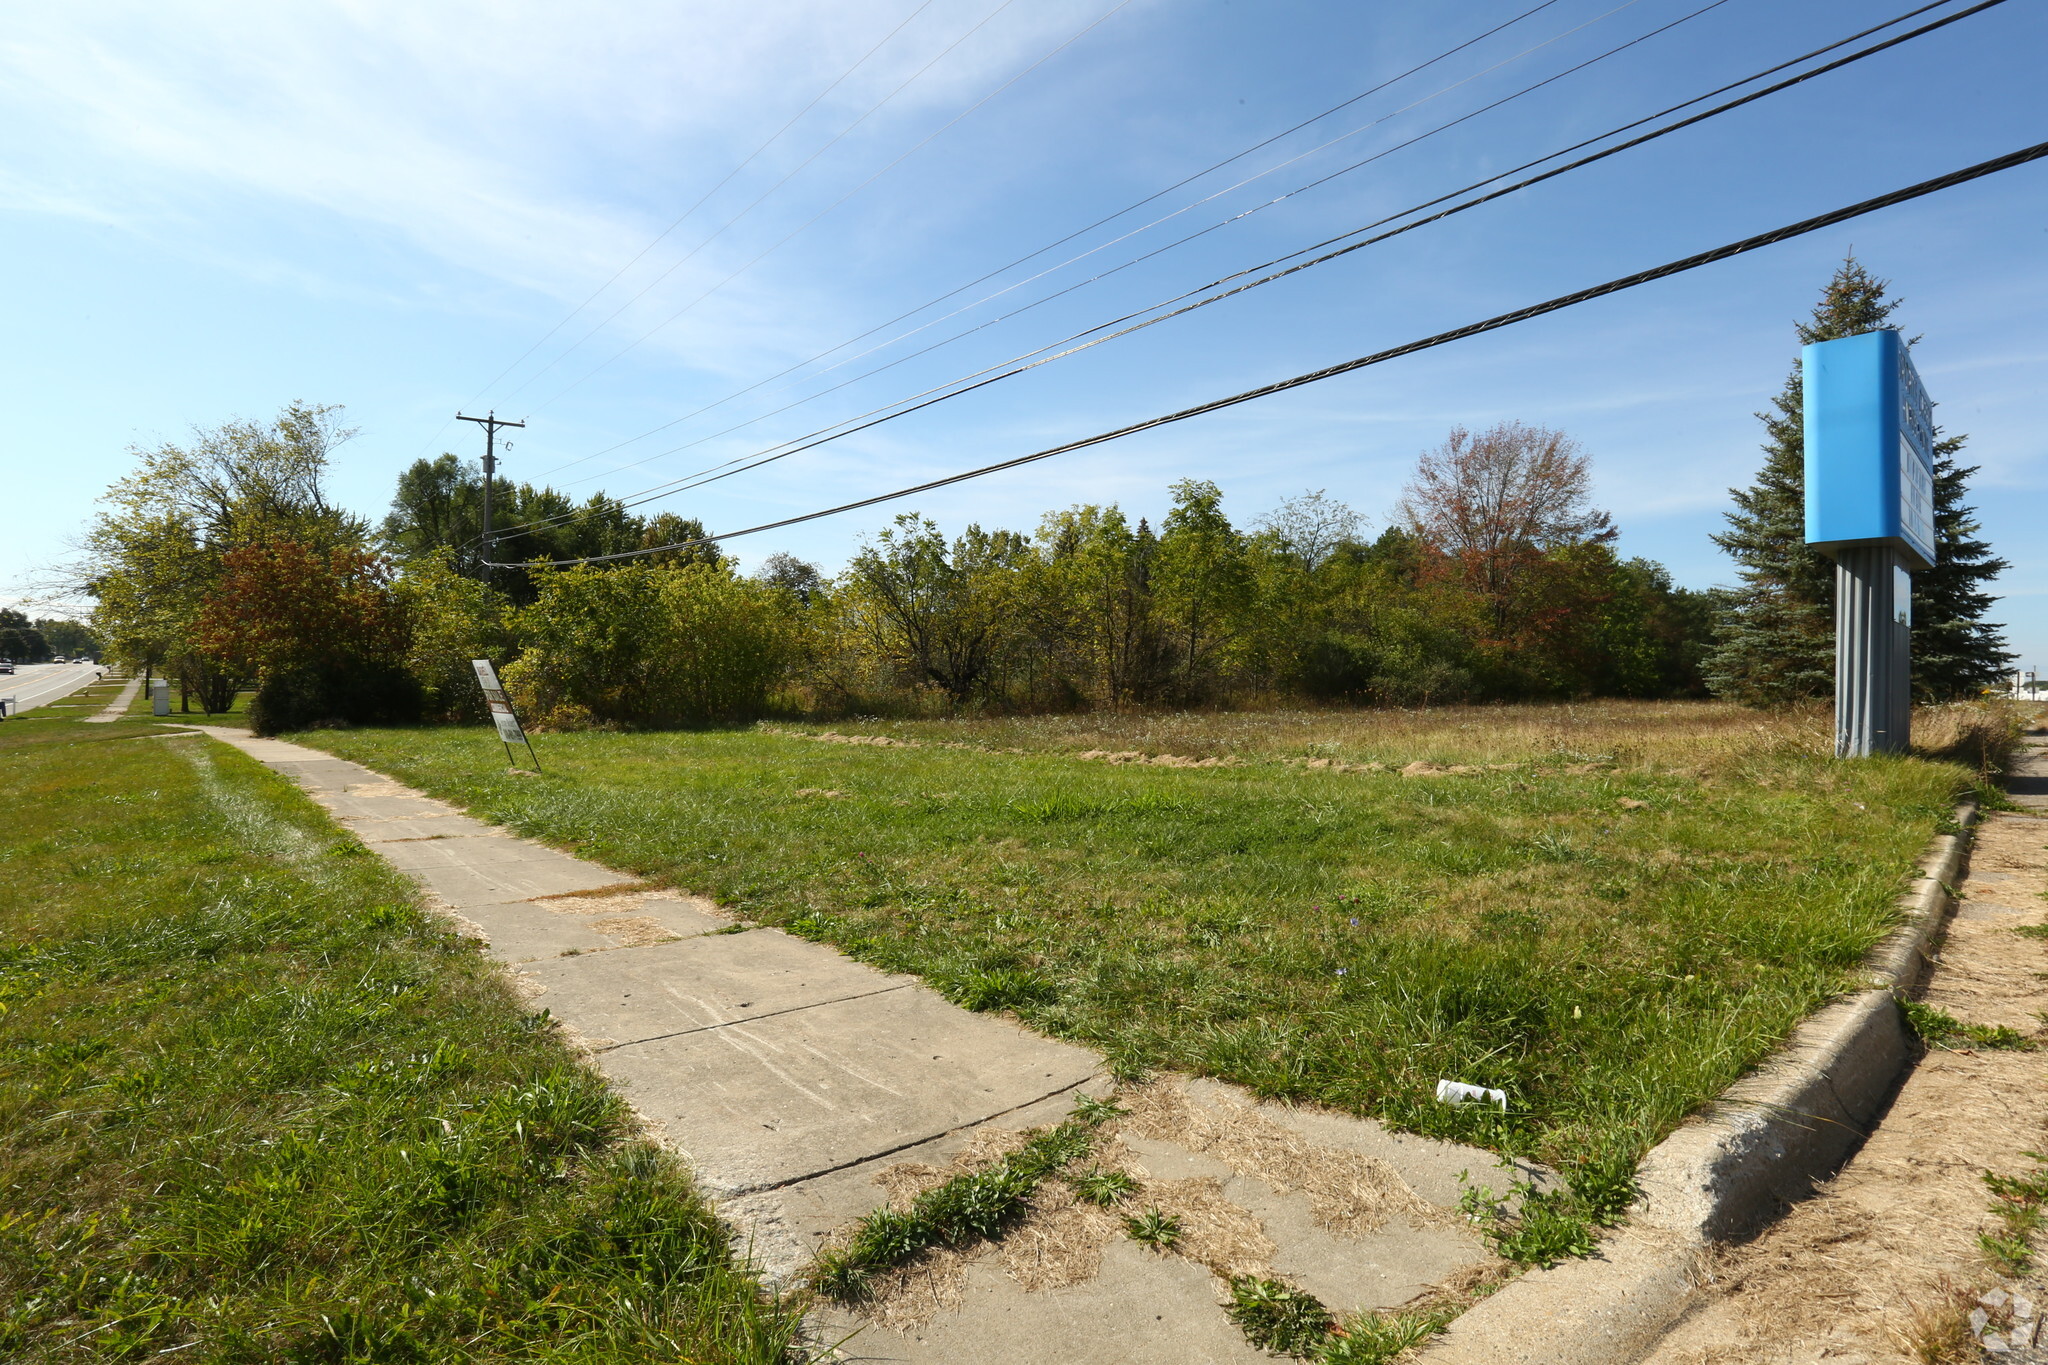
x: 33, y: 685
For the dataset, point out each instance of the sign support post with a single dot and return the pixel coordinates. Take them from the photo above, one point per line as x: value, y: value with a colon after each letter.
x: 1869, y: 434
x: 1873, y: 652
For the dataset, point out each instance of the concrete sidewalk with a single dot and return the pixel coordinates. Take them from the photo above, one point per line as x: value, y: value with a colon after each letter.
x: 2027, y: 783
x: 118, y: 707
x: 806, y: 1088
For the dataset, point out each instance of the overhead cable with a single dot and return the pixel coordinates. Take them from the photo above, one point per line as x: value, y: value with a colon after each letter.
x: 1270, y: 170
x: 950, y: 389
x: 1257, y: 208
x: 1535, y: 310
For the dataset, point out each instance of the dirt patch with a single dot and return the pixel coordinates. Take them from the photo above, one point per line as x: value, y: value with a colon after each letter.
x: 617, y: 893
x: 634, y: 931
x: 630, y: 913
x: 1886, y: 1253
x: 378, y: 789
x: 1156, y: 760
x: 875, y: 741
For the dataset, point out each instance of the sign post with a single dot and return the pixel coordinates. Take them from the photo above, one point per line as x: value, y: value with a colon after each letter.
x: 502, y: 716
x: 1869, y: 429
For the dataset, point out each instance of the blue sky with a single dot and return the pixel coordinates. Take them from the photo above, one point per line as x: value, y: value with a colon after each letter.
x: 211, y: 209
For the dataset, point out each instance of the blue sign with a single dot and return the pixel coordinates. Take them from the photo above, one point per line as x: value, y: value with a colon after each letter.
x: 1869, y: 447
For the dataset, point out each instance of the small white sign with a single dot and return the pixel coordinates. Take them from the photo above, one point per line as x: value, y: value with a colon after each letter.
x: 502, y: 714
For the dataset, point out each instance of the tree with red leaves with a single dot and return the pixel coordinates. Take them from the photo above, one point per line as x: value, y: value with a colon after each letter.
x: 320, y: 628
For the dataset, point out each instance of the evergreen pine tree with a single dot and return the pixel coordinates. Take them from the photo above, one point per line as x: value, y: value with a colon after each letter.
x: 1955, y: 651
x: 1775, y: 641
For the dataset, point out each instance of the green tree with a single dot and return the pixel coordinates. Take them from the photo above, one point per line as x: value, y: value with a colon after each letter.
x: 1090, y: 591
x: 154, y: 551
x: 941, y: 613
x: 20, y: 641
x: 1956, y: 652
x: 453, y: 618
x: 650, y: 645
x: 70, y: 638
x: 438, y: 508
x: 667, y: 528
x: 1775, y: 640
x: 1202, y: 583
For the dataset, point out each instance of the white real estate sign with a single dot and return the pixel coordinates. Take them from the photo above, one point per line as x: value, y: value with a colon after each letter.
x: 501, y: 706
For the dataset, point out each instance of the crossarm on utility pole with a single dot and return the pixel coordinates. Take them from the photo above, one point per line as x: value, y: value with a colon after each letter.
x: 490, y: 424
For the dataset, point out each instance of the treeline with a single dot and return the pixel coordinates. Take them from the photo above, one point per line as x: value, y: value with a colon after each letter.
x: 439, y: 507
x: 26, y: 641
x: 221, y: 563
x: 1500, y: 582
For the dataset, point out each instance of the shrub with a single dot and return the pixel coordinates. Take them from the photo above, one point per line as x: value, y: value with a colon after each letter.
x: 364, y: 692
x: 650, y: 645
x: 454, y: 619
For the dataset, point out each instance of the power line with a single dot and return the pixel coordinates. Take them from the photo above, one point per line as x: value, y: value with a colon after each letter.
x: 1081, y: 231
x: 1535, y: 310
x: 949, y: 390
x: 1070, y: 236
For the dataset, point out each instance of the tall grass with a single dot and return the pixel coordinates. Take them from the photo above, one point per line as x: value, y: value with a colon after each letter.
x: 254, y: 1105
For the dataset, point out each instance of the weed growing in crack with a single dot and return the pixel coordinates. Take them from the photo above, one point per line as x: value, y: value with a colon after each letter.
x: 2018, y: 1201
x: 1155, y: 1229
x: 1530, y: 1226
x: 1104, y: 1188
x: 1277, y: 1317
x: 968, y: 1208
x: 1377, y: 1338
x: 1088, y: 1109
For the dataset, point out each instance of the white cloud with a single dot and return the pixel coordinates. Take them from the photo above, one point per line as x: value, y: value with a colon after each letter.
x: 512, y: 140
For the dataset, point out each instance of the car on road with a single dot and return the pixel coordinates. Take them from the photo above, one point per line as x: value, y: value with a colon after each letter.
x: 6, y: 665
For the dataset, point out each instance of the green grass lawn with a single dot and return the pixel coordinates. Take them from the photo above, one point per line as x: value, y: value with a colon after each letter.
x: 255, y: 1105
x: 236, y: 716
x: 1611, y: 929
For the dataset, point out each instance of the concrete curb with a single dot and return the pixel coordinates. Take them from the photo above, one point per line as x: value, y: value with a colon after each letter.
x: 1726, y: 1172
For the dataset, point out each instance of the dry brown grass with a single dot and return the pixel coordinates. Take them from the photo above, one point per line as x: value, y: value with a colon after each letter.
x: 1935, y: 1330
x: 1703, y: 736
x: 1348, y: 1192
x: 1662, y: 733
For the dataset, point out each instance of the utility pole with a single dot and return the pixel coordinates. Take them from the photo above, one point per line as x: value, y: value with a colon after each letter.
x: 490, y: 425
